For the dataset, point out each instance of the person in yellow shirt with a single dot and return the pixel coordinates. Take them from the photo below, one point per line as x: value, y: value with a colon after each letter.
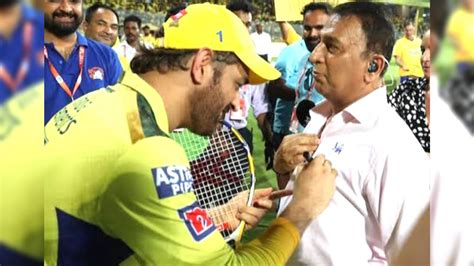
x: 119, y: 189
x: 459, y: 29
x: 407, y: 53
x: 148, y: 37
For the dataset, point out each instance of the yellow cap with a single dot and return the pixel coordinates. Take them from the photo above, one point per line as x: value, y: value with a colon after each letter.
x: 214, y: 27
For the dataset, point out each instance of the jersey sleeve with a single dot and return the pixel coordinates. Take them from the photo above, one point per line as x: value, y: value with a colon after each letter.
x: 397, y: 49
x: 115, y: 68
x: 293, y: 36
x: 149, y: 205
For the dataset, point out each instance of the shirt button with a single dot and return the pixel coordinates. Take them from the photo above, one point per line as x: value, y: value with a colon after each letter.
x: 61, y: 62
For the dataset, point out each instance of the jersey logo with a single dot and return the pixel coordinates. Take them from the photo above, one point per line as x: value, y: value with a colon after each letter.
x: 172, y: 180
x: 198, y: 223
x: 338, y: 147
x: 96, y: 73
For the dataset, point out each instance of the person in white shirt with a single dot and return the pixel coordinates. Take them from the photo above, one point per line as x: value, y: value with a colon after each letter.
x: 382, y: 189
x: 129, y: 47
x: 254, y: 96
x: 262, y: 41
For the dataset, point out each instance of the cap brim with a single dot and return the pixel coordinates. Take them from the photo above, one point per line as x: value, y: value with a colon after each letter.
x: 260, y: 70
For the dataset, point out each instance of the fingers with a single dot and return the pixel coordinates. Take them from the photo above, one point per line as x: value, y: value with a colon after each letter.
x: 291, y: 151
x: 250, y: 215
x: 262, y: 193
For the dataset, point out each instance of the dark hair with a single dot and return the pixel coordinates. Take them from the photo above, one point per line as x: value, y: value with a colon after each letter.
x: 174, y: 10
x: 326, y: 8
x: 93, y: 9
x: 407, y: 23
x: 378, y: 30
x: 133, y: 18
x: 240, y: 5
x: 165, y: 60
x: 146, y: 27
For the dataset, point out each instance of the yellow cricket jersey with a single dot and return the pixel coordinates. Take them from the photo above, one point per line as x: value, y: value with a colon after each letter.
x: 409, y: 52
x: 119, y: 190
x: 460, y: 28
x: 21, y: 186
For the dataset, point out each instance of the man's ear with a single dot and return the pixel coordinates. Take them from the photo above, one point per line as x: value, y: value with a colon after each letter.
x: 202, y: 65
x: 84, y: 26
x: 374, y: 69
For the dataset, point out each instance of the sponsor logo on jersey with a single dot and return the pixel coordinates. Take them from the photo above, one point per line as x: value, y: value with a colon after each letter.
x: 96, y: 73
x: 172, y: 180
x: 198, y: 223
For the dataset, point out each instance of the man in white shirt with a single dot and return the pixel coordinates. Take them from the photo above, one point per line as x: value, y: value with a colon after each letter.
x: 383, y: 173
x: 262, y: 41
x: 128, y: 48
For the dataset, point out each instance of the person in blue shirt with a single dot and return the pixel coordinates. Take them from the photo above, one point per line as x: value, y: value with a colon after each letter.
x: 296, y: 82
x: 21, y: 43
x: 74, y: 65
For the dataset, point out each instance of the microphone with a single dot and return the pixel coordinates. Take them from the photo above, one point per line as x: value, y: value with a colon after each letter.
x: 302, y: 111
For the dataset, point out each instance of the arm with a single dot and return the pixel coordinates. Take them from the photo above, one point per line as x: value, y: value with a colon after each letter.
x: 278, y: 89
x: 399, y: 62
x: 158, y: 228
x: 397, y: 53
x: 288, y: 33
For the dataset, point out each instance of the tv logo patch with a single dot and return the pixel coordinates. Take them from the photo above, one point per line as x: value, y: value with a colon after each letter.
x: 172, y: 180
x: 198, y: 223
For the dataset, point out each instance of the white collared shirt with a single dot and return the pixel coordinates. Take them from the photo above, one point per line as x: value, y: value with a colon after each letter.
x: 250, y: 96
x: 126, y: 50
x: 382, y: 186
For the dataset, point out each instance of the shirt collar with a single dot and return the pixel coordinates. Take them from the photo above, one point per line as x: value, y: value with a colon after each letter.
x: 81, y: 40
x: 136, y: 83
x: 362, y: 110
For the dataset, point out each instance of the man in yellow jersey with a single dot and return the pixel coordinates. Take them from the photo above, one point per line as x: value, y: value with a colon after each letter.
x: 459, y: 29
x: 21, y: 185
x: 407, y: 53
x: 118, y: 189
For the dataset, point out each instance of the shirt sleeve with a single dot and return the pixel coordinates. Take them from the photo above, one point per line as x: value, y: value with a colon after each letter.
x: 149, y: 206
x: 397, y: 49
x: 398, y: 198
x: 282, y: 64
x: 259, y: 100
x: 115, y: 68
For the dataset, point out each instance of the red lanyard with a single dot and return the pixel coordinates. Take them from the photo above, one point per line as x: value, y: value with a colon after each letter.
x: 11, y: 83
x: 58, y: 77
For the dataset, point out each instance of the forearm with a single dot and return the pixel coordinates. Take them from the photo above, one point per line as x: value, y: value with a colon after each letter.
x: 274, y: 247
x: 264, y: 127
x: 399, y: 62
x: 278, y: 89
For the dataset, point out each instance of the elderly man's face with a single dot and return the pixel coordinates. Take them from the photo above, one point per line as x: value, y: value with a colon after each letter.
x: 339, y: 62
